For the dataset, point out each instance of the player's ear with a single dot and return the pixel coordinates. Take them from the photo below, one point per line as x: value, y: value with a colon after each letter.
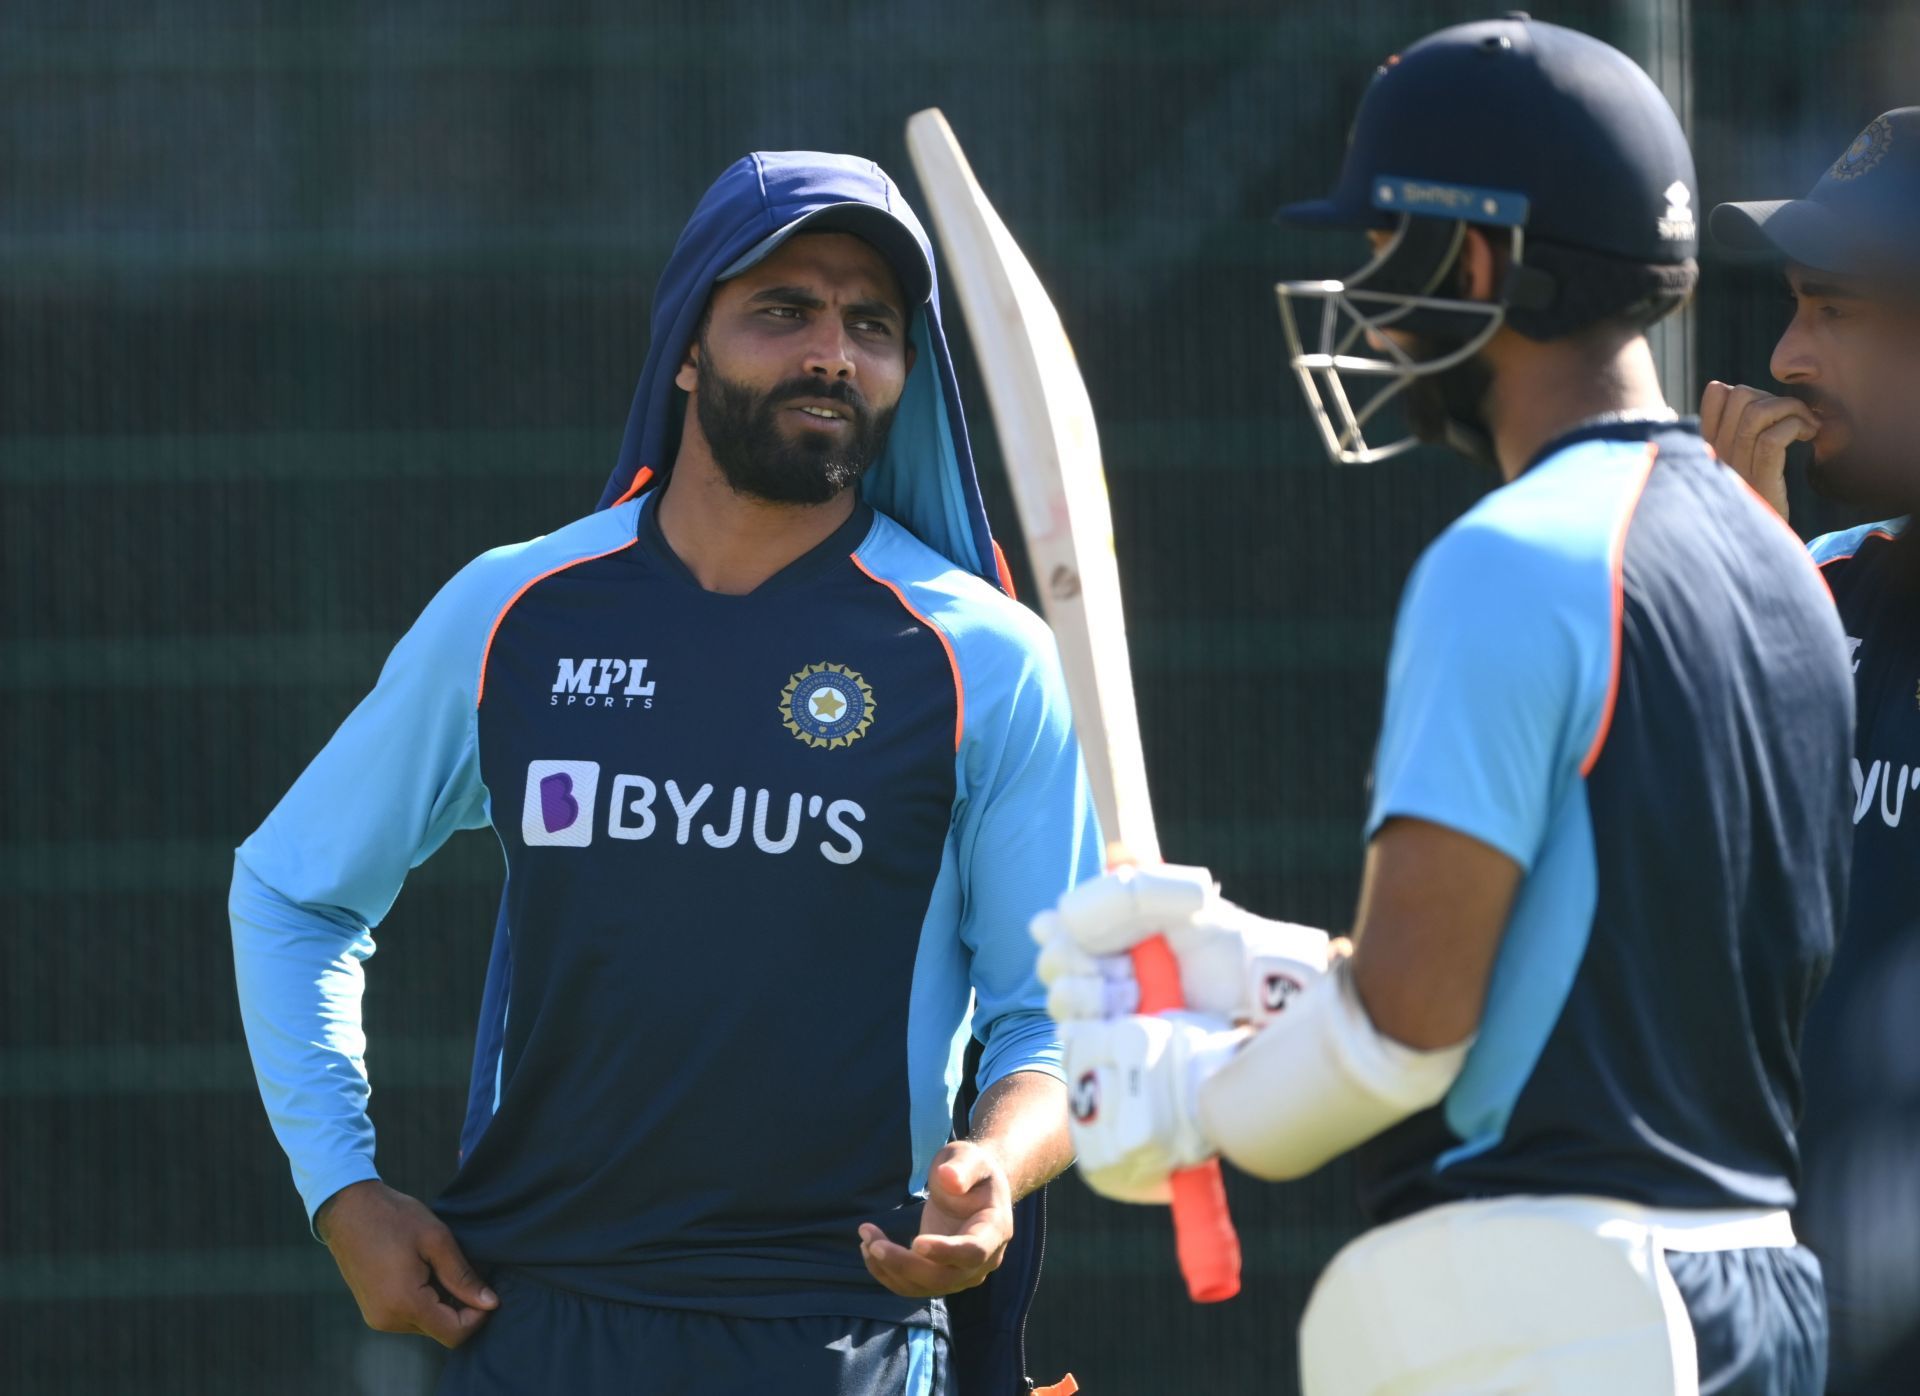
x: 1478, y: 270
x: 687, y: 376
x: 913, y: 352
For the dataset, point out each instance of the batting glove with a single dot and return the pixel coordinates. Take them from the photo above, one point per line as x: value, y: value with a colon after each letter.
x: 1233, y: 964
x: 1134, y: 1084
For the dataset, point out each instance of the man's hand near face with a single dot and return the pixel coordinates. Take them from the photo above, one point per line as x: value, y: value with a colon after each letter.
x: 1750, y: 430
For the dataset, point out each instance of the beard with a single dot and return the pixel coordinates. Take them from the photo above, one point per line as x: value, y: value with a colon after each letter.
x: 1859, y: 472
x: 759, y: 459
x: 1449, y: 408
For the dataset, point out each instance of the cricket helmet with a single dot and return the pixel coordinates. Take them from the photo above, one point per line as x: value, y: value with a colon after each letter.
x: 1558, y: 146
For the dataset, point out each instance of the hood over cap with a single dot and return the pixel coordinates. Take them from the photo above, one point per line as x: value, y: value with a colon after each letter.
x: 924, y: 479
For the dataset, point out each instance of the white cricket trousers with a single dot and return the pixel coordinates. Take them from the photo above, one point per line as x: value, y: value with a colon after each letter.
x: 1517, y: 1296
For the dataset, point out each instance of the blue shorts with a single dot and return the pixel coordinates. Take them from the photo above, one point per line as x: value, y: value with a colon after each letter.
x: 1759, y: 1319
x: 543, y: 1339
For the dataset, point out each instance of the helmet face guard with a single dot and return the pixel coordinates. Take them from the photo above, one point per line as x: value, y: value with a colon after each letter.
x: 1396, y: 291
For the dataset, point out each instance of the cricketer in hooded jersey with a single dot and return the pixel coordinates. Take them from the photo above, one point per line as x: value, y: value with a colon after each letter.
x: 769, y: 860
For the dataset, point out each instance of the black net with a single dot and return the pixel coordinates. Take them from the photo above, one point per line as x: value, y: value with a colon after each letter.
x: 301, y: 307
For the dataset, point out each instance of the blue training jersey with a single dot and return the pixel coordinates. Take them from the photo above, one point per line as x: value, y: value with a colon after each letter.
x: 1863, y: 1038
x: 762, y: 854
x: 1874, y: 574
x: 1622, y: 671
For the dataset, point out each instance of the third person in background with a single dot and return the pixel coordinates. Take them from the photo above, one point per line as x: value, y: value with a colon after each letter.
x: 1848, y: 366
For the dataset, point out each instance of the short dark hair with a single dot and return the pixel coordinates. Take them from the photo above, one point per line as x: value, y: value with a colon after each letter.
x: 1592, y: 289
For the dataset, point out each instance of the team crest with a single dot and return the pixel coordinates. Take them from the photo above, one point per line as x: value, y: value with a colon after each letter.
x: 827, y: 705
x: 1869, y: 148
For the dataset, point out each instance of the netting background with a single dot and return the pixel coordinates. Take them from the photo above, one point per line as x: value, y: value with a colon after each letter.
x: 301, y: 307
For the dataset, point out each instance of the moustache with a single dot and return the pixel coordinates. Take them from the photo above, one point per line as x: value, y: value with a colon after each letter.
x: 1819, y: 400
x: 834, y: 390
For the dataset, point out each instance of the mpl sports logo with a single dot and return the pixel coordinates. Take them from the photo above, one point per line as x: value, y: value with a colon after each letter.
x: 602, y: 683
x: 561, y: 810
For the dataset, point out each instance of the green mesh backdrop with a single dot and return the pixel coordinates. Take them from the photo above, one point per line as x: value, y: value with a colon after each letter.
x: 303, y: 306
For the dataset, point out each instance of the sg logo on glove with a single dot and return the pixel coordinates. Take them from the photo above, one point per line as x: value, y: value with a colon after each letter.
x: 1278, y: 991
x: 1086, y: 1098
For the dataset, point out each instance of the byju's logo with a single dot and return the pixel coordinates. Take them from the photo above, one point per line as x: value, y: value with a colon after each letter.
x: 602, y: 683
x: 559, y: 807
x: 1885, y: 785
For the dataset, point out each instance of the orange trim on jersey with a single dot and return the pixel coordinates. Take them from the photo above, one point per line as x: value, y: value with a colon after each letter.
x: 1006, y: 578
x: 641, y: 478
x: 953, y: 662
x: 1799, y: 545
x: 1619, y: 569
x: 480, y: 689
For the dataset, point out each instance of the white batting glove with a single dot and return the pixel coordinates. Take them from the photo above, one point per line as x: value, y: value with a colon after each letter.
x: 1233, y: 964
x: 1134, y: 1082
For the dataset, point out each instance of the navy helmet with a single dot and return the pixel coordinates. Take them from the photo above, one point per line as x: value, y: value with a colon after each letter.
x: 1861, y: 219
x: 1554, y: 143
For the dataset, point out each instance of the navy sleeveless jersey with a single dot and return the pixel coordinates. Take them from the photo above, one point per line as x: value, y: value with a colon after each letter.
x: 1621, y: 671
x: 769, y: 861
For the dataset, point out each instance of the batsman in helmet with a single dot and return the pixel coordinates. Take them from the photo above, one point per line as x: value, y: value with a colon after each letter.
x: 1607, y: 845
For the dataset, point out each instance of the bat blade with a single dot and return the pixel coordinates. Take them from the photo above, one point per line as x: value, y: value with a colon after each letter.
x: 1046, y: 428
x: 1045, y: 423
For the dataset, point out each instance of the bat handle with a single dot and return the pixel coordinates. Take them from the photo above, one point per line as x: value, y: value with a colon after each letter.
x: 1204, y: 1237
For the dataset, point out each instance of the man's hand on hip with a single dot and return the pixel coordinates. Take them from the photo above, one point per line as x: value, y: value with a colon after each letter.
x: 406, y: 1271
x: 964, y: 1228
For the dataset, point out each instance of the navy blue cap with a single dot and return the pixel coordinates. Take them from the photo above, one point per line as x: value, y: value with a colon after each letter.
x: 1519, y: 123
x: 1862, y: 218
x: 879, y: 227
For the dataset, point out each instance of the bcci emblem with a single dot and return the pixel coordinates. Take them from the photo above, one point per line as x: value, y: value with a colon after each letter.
x: 827, y: 705
x: 1869, y: 148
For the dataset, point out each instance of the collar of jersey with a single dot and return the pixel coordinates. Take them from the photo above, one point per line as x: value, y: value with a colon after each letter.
x: 1616, y: 426
x: 816, y: 562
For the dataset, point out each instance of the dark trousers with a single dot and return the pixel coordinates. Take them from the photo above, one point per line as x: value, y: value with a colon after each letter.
x: 546, y: 1340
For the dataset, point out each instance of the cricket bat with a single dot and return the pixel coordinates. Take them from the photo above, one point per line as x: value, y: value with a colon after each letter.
x: 1045, y: 424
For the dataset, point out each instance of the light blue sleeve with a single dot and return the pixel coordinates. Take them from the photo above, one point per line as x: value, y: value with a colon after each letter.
x: 399, y: 776
x: 1838, y: 547
x: 1497, y: 685
x: 1026, y: 833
